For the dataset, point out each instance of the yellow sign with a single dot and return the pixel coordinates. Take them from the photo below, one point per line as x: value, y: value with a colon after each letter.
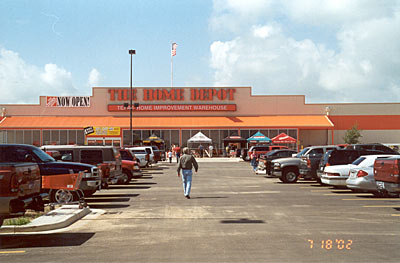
x: 106, y: 131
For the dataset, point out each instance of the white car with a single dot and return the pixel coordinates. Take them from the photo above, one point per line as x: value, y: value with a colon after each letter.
x: 362, y: 178
x: 337, y: 175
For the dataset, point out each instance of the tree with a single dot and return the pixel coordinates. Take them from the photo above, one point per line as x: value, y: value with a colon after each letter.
x: 352, y: 135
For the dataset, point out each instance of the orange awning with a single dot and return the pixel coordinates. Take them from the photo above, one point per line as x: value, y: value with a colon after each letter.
x: 292, y: 121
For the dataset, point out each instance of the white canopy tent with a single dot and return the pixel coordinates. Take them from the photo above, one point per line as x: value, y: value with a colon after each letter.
x: 199, y: 138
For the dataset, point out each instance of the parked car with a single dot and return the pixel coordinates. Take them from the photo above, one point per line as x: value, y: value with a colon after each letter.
x: 288, y: 169
x: 157, y: 153
x: 337, y: 175
x: 341, y: 156
x: 141, y: 155
x: 263, y: 149
x: 49, y: 166
x: 107, y: 158
x: 130, y: 167
x: 310, y: 160
x: 362, y: 179
x: 266, y: 159
x: 387, y: 175
x: 20, y: 185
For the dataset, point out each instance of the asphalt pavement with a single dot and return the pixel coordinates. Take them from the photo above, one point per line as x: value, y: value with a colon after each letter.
x: 234, y: 215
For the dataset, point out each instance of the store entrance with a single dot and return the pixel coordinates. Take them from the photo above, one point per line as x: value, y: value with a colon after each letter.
x: 105, y: 141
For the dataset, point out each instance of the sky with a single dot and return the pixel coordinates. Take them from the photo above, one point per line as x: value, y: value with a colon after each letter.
x: 331, y: 51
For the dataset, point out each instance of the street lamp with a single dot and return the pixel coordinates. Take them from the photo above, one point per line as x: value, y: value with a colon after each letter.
x: 131, y: 52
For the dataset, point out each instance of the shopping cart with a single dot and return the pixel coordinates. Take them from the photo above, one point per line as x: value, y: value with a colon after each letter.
x: 64, y: 189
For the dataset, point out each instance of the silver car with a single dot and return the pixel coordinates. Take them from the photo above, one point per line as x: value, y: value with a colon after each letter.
x: 362, y: 178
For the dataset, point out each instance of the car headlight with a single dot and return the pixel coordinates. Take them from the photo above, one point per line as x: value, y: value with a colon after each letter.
x: 277, y: 165
x: 87, y: 175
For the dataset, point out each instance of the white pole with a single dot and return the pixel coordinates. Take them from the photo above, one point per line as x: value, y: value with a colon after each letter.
x: 172, y: 70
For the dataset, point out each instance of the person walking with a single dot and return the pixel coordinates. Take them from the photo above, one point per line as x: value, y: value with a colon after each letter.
x: 177, y: 153
x: 201, y: 150
x: 170, y: 156
x: 211, y: 148
x: 254, y: 162
x: 186, y: 163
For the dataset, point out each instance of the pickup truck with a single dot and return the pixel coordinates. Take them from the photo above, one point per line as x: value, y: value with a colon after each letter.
x: 142, y: 156
x: 48, y: 166
x: 130, y: 167
x: 20, y: 186
x: 289, y: 170
x: 387, y: 175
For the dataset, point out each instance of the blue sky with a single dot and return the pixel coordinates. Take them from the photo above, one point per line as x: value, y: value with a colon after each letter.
x: 330, y: 51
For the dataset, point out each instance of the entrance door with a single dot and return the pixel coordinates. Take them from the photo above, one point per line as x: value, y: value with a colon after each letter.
x: 109, y: 141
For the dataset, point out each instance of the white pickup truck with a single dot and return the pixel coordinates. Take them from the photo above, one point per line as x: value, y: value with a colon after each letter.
x: 142, y: 155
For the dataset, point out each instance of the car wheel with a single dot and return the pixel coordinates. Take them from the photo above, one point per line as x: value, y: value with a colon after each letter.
x: 290, y: 175
x: 126, y: 177
x: 62, y: 196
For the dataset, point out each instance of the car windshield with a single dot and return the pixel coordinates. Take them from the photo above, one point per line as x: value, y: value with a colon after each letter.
x: 302, y: 152
x: 271, y: 153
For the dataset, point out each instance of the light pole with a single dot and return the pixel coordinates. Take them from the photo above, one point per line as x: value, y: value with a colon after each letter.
x: 131, y: 52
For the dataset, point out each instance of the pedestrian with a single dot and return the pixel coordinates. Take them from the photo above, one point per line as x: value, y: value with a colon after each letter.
x: 227, y: 149
x: 253, y: 158
x: 201, y: 150
x: 170, y: 156
x: 186, y: 163
x: 177, y: 153
x: 211, y: 148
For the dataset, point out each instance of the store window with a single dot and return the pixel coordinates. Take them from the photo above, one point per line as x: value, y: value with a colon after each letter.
x: 19, y: 136
x: 174, y: 137
x: 28, y: 137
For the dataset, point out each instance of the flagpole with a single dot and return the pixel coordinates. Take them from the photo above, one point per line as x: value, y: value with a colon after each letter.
x: 172, y: 69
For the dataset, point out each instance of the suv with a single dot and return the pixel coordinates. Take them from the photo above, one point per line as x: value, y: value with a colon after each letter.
x: 263, y: 149
x: 288, y: 169
x: 372, y: 146
x: 107, y: 158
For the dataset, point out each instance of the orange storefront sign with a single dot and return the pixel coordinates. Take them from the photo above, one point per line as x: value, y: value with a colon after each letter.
x: 173, y: 94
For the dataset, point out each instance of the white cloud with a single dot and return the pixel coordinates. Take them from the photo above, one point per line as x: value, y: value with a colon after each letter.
x: 265, y: 54
x: 94, y: 78
x: 21, y: 82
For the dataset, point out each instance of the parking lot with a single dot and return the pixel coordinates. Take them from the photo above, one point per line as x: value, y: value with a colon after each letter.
x: 234, y: 215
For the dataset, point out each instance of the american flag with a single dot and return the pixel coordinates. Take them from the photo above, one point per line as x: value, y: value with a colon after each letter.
x: 173, y: 51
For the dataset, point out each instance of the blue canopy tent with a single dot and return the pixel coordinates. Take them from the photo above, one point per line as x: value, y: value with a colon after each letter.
x: 258, y: 138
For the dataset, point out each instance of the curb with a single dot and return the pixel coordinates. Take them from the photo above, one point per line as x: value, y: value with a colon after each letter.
x: 56, y: 219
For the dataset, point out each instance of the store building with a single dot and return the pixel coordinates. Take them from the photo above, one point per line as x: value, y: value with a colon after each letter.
x: 176, y: 114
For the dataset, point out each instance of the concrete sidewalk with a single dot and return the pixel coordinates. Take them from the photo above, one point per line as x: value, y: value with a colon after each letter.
x: 56, y: 219
x: 212, y: 160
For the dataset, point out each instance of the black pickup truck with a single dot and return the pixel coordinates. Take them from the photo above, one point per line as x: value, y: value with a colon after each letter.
x: 91, y: 180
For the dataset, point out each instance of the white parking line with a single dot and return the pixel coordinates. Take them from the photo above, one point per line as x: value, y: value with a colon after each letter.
x: 381, y: 206
x: 358, y: 194
x: 372, y: 199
